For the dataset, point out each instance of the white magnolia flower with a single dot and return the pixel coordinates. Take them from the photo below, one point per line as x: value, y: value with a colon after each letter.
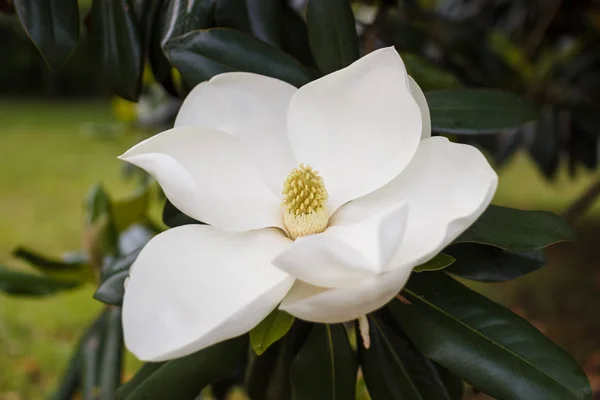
x: 337, y: 244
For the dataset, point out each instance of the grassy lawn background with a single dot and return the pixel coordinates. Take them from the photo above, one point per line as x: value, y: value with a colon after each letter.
x: 48, y: 161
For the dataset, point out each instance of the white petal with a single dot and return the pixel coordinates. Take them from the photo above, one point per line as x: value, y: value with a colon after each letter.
x: 207, y: 175
x: 447, y: 186
x: 359, y: 126
x: 316, y: 304
x: 419, y: 97
x: 344, y: 255
x: 195, y: 285
x: 252, y: 108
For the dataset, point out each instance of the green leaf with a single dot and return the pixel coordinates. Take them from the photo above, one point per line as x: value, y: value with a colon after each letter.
x: 91, y: 357
x: 174, y: 18
x: 118, y: 264
x: 97, y: 203
x: 183, y: 16
x: 172, y: 217
x: 265, y: 20
x: 260, y: 372
x: 395, y: 370
x: 332, y: 34
x: 270, y: 330
x: 267, y: 376
x: 492, y: 264
x: 43, y: 262
x: 112, y: 279
x: 200, y: 55
x: 117, y: 38
x: 437, y: 263
x: 232, y: 14
x: 112, y: 355
x: 326, y: 366
x: 69, y: 380
x: 140, y: 376
x: 294, y: 37
x: 24, y: 284
x: 53, y: 26
x: 102, y: 236
x: 131, y: 210
x: 484, y: 343
x: 72, y: 377
x: 62, y: 269
x: 517, y: 230
x: 588, y: 118
x: 471, y: 111
x: 185, y: 377
x: 428, y: 76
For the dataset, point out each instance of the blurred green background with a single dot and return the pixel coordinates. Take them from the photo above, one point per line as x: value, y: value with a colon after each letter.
x: 60, y: 133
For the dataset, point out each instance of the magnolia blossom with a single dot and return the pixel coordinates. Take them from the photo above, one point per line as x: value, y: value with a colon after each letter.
x: 319, y: 201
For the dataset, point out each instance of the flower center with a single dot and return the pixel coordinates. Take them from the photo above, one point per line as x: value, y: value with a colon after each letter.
x: 304, y: 202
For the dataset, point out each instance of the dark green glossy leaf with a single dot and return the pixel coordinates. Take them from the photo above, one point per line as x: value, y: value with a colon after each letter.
x: 146, y: 12
x: 23, y: 284
x: 185, y: 377
x: 454, y: 385
x: 232, y: 14
x: 74, y: 269
x: 260, y: 371
x: 471, y: 111
x: 294, y: 37
x: 117, y: 38
x: 160, y: 65
x: 270, y: 330
x: 265, y: 20
x: 395, y: 370
x: 492, y: 264
x: 221, y: 389
x: 332, y: 34
x: 200, y: 55
x: 72, y: 377
x: 484, y: 343
x: 91, y: 358
x: 53, y: 26
x: 172, y: 217
x: 581, y: 147
x: 546, y: 143
x: 517, y: 230
x: 45, y: 263
x: 112, y: 355
x: 588, y: 119
x: 140, y: 376
x: 119, y: 264
x: 268, y: 375
x: 183, y: 16
x: 112, y: 279
x: 438, y: 262
x: 176, y: 18
x: 428, y: 76
x: 326, y: 366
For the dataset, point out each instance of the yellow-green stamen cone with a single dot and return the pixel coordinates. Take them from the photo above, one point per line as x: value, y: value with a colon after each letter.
x: 304, y: 202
